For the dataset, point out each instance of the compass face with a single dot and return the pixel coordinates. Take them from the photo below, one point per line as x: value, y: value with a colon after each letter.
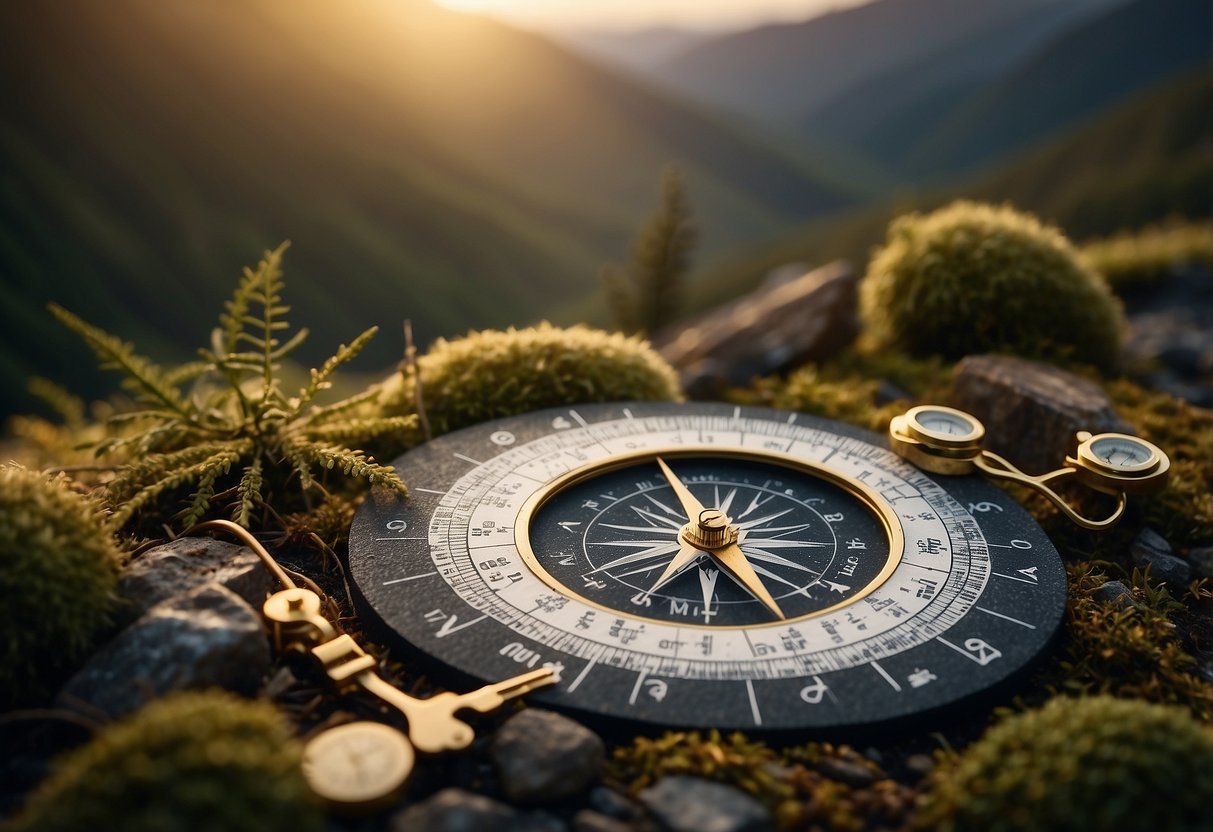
x: 706, y: 566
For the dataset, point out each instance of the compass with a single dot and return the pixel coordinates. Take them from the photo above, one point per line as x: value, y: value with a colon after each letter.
x: 703, y: 565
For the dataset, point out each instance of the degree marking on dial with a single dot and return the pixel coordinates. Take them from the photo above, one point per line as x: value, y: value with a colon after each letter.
x: 876, y: 666
x: 749, y: 686
x: 1013, y: 578
x: 577, y: 418
x: 381, y: 539
x: 428, y: 491
x: 585, y: 671
x: 1007, y: 618
x: 409, y: 578
x: 467, y: 459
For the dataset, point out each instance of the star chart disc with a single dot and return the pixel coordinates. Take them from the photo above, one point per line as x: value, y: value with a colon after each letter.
x: 702, y: 565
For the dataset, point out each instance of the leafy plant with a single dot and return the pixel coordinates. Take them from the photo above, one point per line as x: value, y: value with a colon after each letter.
x: 228, y: 411
x: 644, y: 295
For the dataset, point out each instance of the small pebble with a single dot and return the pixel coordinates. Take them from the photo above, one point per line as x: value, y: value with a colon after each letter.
x: 1114, y: 592
x: 1150, y: 549
x: 852, y: 773
x: 690, y: 804
x: 611, y: 803
x: 457, y: 810
x: 587, y: 820
x: 543, y: 757
x: 920, y: 764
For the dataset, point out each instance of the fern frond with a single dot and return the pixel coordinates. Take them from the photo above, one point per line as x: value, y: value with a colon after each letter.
x: 295, y: 452
x: 319, y: 415
x: 320, y: 378
x: 186, y: 373
x: 212, y: 469
x: 361, y: 430
x: 133, y: 478
x: 249, y: 491
x: 171, y: 480
x: 69, y: 408
x: 356, y: 464
x: 145, y: 378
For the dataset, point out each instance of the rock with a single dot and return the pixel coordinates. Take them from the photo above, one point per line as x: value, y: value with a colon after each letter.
x: 543, y: 757
x: 920, y: 764
x: 1114, y: 592
x: 186, y: 563
x: 1149, y: 549
x: 850, y: 772
x: 457, y: 810
x: 689, y: 804
x: 774, y: 328
x: 613, y: 804
x: 587, y: 820
x: 1201, y: 560
x: 205, y: 638
x: 1032, y: 410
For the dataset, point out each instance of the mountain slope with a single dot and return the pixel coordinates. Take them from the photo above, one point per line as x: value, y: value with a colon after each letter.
x: 1095, y: 65
x: 885, y: 115
x: 427, y: 164
x: 1147, y: 159
x: 779, y: 73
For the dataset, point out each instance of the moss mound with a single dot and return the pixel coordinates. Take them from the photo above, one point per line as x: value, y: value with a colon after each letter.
x: 972, y: 278
x: 58, y: 568
x: 203, y: 762
x: 1095, y: 763
x: 491, y: 374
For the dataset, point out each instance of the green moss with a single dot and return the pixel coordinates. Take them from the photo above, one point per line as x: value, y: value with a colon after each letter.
x: 862, y: 388
x: 1130, y: 651
x: 1183, y: 512
x: 789, y: 782
x: 491, y: 374
x: 201, y: 762
x: 1094, y: 763
x: 1134, y: 261
x: 973, y: 278
x: 58, y: 569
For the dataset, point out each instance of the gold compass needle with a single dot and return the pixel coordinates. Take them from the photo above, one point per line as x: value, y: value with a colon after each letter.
x: 734, y: 561
x: 690, y: 505
x: 686, y: 554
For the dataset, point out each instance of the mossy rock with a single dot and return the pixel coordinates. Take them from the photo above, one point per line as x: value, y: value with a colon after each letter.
x: 492, y: 374
x: 1095, y: 763
x: 972, y: 278
x: 202, y: 762
x: 58, y: 570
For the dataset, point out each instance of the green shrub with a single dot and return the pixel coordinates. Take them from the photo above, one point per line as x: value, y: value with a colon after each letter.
x: 202, y: 762
x: 1095, y: 763
x: 491, y: 374
x: 972, y: 278
x: 1138, y: 260
x: 58, y: 568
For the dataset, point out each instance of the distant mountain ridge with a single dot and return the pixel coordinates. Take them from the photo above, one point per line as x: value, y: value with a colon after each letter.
x: 427, y: 164
x: 781, y: 72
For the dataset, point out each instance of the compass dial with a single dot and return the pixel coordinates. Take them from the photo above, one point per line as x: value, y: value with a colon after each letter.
x: 704, y: 565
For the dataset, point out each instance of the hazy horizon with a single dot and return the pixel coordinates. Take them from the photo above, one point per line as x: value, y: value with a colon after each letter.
x: 623, y: 15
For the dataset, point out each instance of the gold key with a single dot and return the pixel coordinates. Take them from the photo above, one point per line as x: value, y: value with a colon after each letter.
x: 433, y: 726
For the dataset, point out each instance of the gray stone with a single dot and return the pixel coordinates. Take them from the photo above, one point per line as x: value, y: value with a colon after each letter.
x: 1031, y: 410
x: 1114, y: 592
x: 587, y: 820
x: 205, y: 638
x: 689, y: 804
x: 851, y: 772
x: 187, y: 563
x: 457, y: 810
x: 776, y: 327
x: 1149, y: 549
x: 920, y: 764
x: 614, y: 804
x: 543, y: 757
x: 1201, y: 559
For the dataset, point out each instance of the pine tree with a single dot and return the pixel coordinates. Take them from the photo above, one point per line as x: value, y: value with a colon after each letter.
x: 645, y: 295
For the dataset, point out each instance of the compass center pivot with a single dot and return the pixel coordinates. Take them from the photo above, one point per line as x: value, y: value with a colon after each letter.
x: 712, y: 530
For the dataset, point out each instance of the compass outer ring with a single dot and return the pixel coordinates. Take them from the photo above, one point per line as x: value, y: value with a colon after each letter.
x: 427, y: 617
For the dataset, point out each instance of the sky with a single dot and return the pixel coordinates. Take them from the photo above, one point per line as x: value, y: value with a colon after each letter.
x: 627, y: 14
